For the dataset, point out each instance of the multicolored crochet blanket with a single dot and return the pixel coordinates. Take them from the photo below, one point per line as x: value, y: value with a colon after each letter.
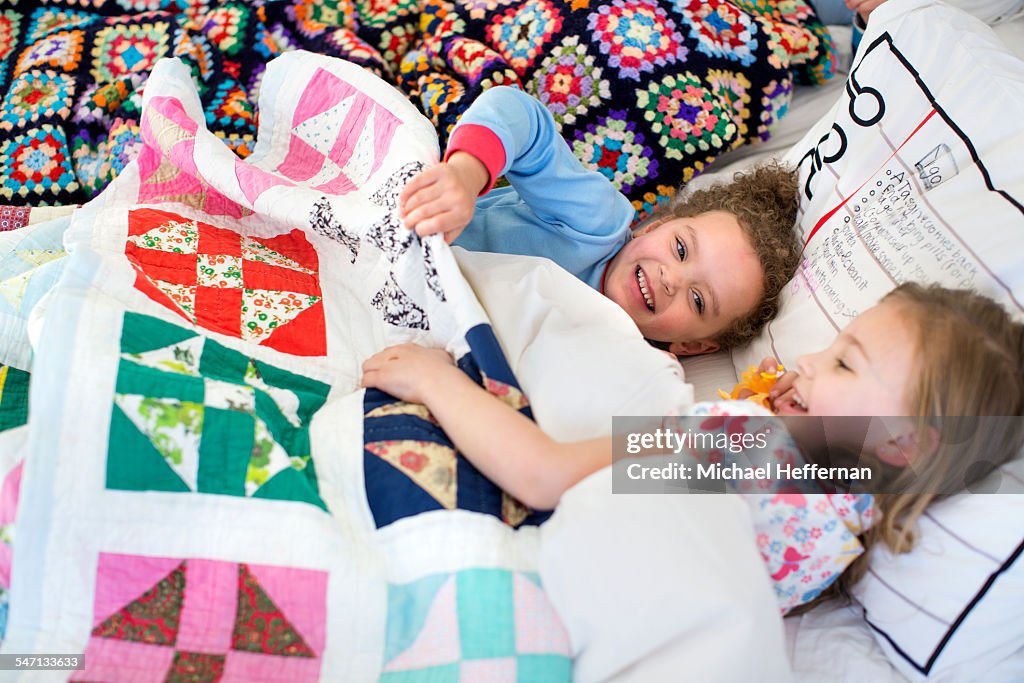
x: 650, y: 92
x: 209, y: 494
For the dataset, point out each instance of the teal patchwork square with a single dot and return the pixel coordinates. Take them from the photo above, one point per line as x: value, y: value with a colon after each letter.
x: 486, y: 621
x: 446, y: 673
x: 543, y: 668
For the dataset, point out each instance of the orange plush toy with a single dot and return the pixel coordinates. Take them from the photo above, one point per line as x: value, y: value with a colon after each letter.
x: 754, y: 385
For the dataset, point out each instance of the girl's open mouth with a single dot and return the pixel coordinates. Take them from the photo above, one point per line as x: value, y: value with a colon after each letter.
x: 641, y: 280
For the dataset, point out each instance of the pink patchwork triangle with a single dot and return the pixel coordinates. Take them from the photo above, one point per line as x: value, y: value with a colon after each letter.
x: 121, y: 579
x: 255, y: 181
x: 538, y: 628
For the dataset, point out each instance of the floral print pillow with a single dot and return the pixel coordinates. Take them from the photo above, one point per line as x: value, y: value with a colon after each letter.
x: 805, y: 539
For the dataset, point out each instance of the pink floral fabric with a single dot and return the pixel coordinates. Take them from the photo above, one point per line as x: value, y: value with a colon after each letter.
x: 805, y: 539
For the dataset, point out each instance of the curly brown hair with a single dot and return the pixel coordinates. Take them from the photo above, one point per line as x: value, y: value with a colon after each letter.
x: 764, y: 200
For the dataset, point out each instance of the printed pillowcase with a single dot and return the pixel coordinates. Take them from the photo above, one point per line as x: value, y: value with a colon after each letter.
x: 914, y: 176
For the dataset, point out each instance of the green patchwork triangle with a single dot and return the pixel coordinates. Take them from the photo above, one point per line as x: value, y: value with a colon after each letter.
x: 311, y: 393
x: 141, y: 333
x: 220, y: 362
x: 175, y: 428
x: 267, y: 458
x: 293, y: 484
x: 134, y: 463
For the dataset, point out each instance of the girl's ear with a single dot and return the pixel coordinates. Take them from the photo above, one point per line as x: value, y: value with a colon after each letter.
x: 905, y: 449
x: 693, y: 348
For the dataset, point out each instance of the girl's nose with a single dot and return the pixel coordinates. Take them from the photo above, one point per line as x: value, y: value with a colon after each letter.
x: 805, y: 365
x: 671, y: 278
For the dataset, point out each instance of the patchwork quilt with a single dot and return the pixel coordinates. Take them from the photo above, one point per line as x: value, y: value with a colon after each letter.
x: 206, y: 493
x: 648, y: 92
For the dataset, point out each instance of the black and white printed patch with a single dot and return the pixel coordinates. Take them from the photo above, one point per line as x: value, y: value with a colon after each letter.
x: 322, y: 220
x: 387, y: 194
x: 390, y: 237
x: 433, y: 280
x: 398, y: 308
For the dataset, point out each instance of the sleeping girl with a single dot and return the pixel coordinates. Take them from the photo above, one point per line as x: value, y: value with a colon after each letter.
x: 669, y: 275
x: 926, y: 352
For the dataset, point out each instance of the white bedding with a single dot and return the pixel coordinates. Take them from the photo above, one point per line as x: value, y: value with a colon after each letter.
x: 678, y: 575
x: 835, y: 645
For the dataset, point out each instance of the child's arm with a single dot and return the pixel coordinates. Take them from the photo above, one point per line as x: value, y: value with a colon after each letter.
x: 513, y: 135
x: 507, y: 447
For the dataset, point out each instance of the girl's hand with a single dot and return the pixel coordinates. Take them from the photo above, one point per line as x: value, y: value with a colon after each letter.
x: 442, y: 198
x: 408, y: 372
x: 768, y: 364
x: 783, y: 392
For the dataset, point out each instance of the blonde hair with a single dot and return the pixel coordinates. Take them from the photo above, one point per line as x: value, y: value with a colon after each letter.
x: 968, y: 363
x: 764, y: 201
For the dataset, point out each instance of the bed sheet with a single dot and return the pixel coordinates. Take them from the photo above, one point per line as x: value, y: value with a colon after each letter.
x: 834, y: 644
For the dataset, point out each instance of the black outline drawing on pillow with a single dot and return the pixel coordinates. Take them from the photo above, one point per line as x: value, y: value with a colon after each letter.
x: 398, y: 308
x: 322, y: 221
x: 855, y: 90
x: 935, y: 166
x: 818, y: 161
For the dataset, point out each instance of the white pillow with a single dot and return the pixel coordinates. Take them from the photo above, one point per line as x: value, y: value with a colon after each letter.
x: 931, y: 114
x: 952, y: 608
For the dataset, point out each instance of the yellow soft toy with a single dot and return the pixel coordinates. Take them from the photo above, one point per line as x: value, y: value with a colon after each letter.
x: 754, y: 385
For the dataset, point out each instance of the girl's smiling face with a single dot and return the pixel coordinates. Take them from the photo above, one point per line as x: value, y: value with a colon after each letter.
x: 866, y: 371
x: 685, y: 280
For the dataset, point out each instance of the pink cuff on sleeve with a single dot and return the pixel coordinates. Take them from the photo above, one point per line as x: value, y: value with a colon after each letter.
x: 482, y: 143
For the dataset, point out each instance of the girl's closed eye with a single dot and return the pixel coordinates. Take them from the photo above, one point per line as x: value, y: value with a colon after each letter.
x: 680, y: 249
x: 842, y: 365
